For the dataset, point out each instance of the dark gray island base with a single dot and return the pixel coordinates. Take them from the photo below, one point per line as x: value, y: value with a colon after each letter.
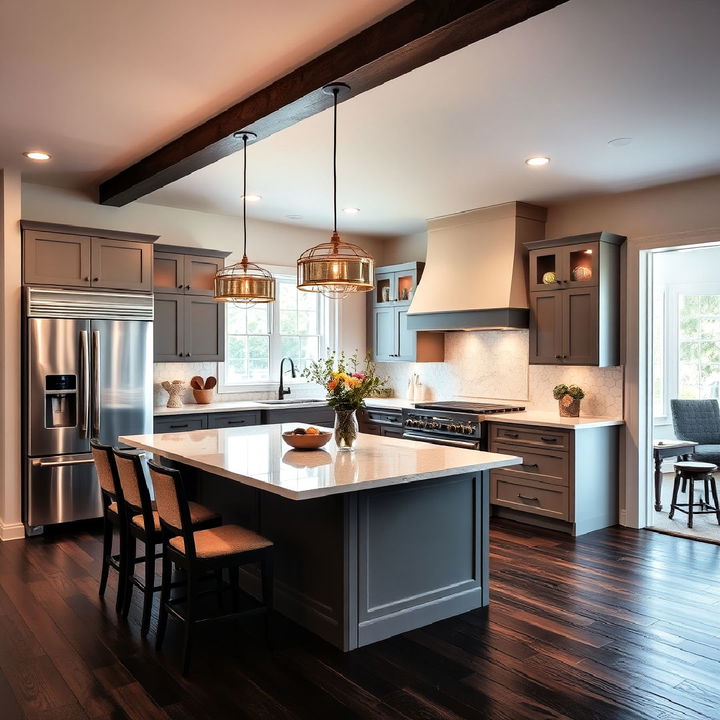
x: 359, y: 567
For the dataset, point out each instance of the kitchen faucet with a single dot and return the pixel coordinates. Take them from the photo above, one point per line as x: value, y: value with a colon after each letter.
x: 283, y: 391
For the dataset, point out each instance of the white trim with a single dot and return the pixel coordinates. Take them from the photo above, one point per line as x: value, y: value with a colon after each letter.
x: 638, y: 440
x: 12, y: 531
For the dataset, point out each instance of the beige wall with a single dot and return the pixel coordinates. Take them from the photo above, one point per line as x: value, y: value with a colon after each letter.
x: 10, y: 468
x: 271, y: 243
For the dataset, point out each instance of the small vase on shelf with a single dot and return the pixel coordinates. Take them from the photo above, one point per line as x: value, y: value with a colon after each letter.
x: 346, y: 429
x: 175, y: 390
x: 569, y: 406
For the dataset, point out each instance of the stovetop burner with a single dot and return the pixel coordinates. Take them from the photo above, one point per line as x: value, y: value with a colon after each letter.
x: 473, y: 407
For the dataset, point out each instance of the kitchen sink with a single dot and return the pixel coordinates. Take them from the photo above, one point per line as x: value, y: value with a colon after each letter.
x: 293, y: 401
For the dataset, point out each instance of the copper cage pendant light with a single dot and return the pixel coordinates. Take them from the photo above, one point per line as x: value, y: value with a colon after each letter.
x: 244, y: 283
x: 335, y: 268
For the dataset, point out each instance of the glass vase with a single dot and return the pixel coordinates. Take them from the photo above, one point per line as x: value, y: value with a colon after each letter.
x: 346, y: 429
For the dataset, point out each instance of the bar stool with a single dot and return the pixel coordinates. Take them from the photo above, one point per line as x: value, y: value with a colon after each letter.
x: 690, y: 472
x: 197, y: 551
x: 143, y: 523
x: 113, y: 518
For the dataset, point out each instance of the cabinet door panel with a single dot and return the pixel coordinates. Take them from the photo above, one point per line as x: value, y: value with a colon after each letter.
x: 121, y: 265
x: 580, y: 329
x: 581, y: 262
x: 406, y: 343
x: 200, y: 274
x: 546, y: 328
x: 168, y: 328
x: 204, y: 326
x: 168, y: 274
x: 233, y: 419
x: 384, y: 334
x: 56, y: 259
x: 179, y: 423
x: 542, y: 262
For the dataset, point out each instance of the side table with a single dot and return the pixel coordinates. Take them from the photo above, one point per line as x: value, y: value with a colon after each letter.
x: 662, y: 449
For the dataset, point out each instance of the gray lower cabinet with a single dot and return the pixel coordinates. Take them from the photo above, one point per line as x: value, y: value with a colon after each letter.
x: 179, y: 423
x: 568, y: 479
x: 233, y: 419
x: 381, y: 421
x: 188, y: 327
x: 323, y: 415
x: 67, y: 256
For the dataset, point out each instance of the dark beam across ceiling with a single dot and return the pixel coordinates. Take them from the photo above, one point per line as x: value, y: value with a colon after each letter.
x: 415, y: 35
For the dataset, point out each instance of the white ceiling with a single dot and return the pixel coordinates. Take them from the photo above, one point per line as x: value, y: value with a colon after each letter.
x: 101, y: 83
x: 453, y: 135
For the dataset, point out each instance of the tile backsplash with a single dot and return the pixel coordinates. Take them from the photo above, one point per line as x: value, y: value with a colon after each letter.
x: 493, y: 365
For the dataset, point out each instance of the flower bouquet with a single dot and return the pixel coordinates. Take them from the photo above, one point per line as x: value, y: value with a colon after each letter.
x: 347, y: 382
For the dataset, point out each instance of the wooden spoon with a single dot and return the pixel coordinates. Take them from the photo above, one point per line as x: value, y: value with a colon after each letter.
x: 196, y: 383
x: 210, y: 383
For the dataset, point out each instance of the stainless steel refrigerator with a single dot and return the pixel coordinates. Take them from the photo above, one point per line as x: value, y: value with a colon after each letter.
x: 87, y: 374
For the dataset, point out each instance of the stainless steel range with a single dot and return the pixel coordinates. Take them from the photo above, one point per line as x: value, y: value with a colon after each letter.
x: 455, y: 423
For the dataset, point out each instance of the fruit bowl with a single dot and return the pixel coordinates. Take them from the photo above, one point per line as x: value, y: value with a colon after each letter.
x: 307, y: 441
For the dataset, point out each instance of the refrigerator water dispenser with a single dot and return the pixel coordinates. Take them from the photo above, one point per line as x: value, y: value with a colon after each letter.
x: 60, y: 401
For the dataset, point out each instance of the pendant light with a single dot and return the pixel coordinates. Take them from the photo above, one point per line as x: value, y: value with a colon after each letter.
x: 244, y: 283
x: 335, y: 268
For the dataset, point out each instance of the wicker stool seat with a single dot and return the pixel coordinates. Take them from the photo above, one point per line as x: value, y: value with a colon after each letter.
x: 690, y: 472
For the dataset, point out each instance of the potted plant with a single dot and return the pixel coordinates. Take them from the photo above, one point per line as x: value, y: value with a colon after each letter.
x: 347, y: 382
x: 569, y: 397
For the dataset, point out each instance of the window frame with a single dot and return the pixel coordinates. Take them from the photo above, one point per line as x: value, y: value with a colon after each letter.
x: 328, y: 324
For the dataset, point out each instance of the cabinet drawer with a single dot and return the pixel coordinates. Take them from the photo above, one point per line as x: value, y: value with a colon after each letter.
x: 529, y: 435
x: 545, y: 466
x: 537, y: 498
x: 234, y: 419
x: 180, y: 423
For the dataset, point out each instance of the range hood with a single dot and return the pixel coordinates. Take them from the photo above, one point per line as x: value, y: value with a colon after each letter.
x: 475, y: 274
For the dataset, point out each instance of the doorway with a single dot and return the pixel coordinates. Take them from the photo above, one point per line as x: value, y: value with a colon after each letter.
x: 683, y: 300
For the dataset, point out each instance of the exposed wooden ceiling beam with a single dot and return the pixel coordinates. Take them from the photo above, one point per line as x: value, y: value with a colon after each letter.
x: 417, y: 34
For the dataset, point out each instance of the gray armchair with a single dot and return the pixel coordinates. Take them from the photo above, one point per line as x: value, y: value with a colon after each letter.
x: 698, y: 421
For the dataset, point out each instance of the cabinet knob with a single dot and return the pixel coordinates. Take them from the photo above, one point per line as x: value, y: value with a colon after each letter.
x: 96, y: 279
x: 86, y: 279
x: 187, y: 354
x: 558, y: 357
x: 180, y: 287
x: 187, y: 287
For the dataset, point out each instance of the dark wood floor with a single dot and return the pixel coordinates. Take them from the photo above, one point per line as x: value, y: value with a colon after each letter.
x: 620, y: 624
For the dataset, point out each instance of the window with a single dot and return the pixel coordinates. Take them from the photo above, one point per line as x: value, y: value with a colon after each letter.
x: 698, y: 346
x: 297, y: 325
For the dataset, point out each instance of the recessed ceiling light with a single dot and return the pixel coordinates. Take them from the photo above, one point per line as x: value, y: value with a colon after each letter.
x: 537, y: 161
x: 620, y: 142
x: 251, y: 197
x: 37, y: 155
x: 351, y: 210
x: 294, y: 217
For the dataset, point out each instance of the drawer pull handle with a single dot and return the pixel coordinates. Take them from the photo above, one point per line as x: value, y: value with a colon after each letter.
x: 235, y: 422
x: 547, y: 439
x: 511, y: 435
x: 529, y: 465
x: 177, y: 427
x: 526, y: 497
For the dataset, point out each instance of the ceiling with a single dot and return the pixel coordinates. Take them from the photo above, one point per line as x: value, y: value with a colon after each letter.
x: 101, y: 84
x: 453, y: 135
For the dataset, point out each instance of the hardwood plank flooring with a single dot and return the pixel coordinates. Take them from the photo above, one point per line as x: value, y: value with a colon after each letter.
x: 617, y: 625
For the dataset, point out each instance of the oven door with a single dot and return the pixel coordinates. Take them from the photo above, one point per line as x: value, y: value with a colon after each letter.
x: 469, y: 443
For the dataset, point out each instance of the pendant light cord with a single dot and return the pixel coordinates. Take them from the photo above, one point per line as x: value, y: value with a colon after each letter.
x: 335, y: 101
x: 245, y: 139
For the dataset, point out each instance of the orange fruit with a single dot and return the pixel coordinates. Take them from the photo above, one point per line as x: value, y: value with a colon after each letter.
x: 312, y: 431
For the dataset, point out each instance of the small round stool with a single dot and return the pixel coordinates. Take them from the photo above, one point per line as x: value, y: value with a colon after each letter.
x: 690, y: 472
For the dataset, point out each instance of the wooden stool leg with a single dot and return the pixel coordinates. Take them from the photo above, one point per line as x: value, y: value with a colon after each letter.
x: 691, y: 500
x: 149, y: 587
x: 706, y: 497
x: 106, y: 553
x: 189, y: 617
x: 131, y: 555
x: 267, y: 590
x: 713, y: 487
x: 673, y: 502
x: 164, y: 598
x: 122, y: 570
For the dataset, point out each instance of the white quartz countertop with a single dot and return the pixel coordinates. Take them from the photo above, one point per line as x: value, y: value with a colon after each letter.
x: 553, y: 419
x: 234, y: 406
x: 258, y: 456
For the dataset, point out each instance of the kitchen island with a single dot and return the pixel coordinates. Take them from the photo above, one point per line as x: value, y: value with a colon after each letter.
x: 369, y: 544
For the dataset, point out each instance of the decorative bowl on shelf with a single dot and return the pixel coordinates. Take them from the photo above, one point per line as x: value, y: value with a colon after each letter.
x: 307, y: 441
x: 203, y: 397
x: 549, y: 278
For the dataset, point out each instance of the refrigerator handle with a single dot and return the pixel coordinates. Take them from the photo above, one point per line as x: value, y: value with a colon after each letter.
x: 84, y: 384
x: 96, y: 384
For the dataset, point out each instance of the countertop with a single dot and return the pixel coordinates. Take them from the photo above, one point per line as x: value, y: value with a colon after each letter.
x: 257, y: 456
x: 526, y: 417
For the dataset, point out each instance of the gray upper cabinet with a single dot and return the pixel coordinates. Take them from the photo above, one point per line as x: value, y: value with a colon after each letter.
x: 575, y: 300
x: 189, y: 324
x: 177, y: 272
x: 69, y: 256
x: 388, y: 306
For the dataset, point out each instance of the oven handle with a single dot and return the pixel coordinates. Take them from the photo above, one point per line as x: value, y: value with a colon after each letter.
x: 469, y: 444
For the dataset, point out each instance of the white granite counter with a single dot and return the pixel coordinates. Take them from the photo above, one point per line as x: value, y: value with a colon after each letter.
x: 548, y: 419
x: 258, y: 456
x: 234, y: 406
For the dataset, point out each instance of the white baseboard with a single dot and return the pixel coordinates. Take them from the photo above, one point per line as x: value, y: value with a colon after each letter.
x: 12, y: 531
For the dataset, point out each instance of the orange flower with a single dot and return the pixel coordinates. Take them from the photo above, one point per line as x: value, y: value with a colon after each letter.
x: 332, y: 384
x: 352, y: 382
